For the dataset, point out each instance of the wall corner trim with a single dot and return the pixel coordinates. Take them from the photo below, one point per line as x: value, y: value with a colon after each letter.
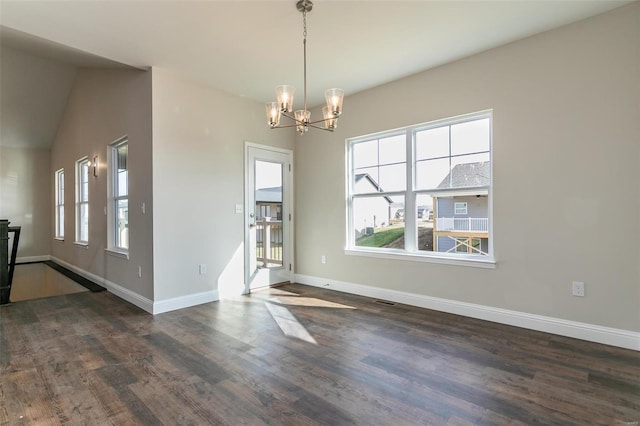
x: 187, y: 301
x: 578, y: 330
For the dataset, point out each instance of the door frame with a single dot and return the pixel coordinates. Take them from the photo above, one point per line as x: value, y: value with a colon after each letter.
x: 287, y: 210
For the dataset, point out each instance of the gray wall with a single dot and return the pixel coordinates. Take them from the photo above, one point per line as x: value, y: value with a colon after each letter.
x: 25, y: 198
x: 34, y: 94
x: 103, y: 106
x: 565, y: 135
x: 198, y: 178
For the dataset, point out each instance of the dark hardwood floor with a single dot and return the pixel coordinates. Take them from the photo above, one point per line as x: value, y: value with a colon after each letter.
x: 298, y: 355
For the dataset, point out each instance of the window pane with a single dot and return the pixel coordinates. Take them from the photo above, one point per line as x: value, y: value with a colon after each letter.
x: 60, y: 224
x: 366, y: 181
x: 432, y: 174
x: 469, y: 137
x: 122, y: 183
x: 84, y: 172
x: 455, y: 231
x: 432, y: 143
x: 122, y: 224
x: 121, y: 157
x: 84, y: 192
x: 424, y: 221
x: 393, y: 150
x: 378, y: 222
x: 365, y: 154
x: 84, y: 222
x: 393, y: 178
x: 470, y: 170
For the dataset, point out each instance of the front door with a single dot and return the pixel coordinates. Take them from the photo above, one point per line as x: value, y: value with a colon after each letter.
x: 268, y: 227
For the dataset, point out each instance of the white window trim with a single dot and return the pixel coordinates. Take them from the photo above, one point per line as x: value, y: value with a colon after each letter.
x: 59, y: 204
x: 78, y: 206
x: 461, y: 204
x: 410, y: 252
x: 112, y: 249
x: 122, y: 254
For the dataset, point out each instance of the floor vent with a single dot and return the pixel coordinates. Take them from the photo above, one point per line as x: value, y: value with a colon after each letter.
x: 385, y: 302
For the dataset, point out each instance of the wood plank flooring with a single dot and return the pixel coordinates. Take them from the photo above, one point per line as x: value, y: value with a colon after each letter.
x: 298, y: 355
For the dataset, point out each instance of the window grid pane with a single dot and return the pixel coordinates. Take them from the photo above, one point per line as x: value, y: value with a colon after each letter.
x: 82, y: 201
x: 59, y: 204
x: 118, y: 197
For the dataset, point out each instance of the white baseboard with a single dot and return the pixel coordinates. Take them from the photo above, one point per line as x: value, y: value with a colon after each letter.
x: 116, y: 289
x: 29, y: 259
x: 187, y: 301
x: 593, y: 333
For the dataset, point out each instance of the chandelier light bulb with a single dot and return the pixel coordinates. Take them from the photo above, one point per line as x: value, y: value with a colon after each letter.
x: 302, y: 119
x: 273, y: 113
x: 330, y: 120
x: 334, y: 99
x: 284, y: 95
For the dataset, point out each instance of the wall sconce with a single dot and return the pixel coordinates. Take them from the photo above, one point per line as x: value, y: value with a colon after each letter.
x: 95, y: 166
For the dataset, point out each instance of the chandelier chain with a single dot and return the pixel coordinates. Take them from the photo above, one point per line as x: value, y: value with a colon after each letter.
x: 304, y: 43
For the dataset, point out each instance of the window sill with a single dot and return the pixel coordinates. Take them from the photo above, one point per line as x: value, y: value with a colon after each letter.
x: 117, y: 253
x: 81, y: 244
x: 58, y: 238
x: 484, y: 262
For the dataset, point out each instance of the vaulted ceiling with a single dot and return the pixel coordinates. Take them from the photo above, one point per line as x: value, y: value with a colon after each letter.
x: 248, y: 47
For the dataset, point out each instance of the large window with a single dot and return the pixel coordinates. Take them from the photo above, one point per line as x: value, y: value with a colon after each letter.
x: 119, y: 196
x: 82, y: 201
x: 423, y: 190
x: 59, y: 204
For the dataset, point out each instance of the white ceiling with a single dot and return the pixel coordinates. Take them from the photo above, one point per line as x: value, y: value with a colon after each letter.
x: 248, y: 47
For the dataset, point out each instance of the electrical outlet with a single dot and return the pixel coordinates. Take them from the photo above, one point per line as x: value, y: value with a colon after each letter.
x: 577, y: 288
x: 202, y: 268
x: 323, y: 259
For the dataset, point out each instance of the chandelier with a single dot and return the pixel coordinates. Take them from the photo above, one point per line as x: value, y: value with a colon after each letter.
x: 284, y: 95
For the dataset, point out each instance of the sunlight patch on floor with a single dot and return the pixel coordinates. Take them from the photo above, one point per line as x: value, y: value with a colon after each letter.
x: 288, y: 323
x: 37, y: 280
x: 307, y: 301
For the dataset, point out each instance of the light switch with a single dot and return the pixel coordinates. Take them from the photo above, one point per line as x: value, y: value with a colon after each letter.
x: 239, y: 208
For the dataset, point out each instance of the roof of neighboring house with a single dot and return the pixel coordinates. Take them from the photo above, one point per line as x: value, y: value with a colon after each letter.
x: 269, y: 195
x: 469, y: 174
x: 373, y: 182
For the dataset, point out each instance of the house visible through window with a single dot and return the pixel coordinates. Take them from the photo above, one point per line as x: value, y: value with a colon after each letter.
x: 59, y: 204
x: 119, y: 196
x: 82, y: 200
x: 424, y: 189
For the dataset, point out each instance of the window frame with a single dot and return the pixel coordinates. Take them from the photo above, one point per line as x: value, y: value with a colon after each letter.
x: 80, y: 201
x: 411, y: 194
x: 114, y: 197
x: 58, y: 232
x: 460, y: 211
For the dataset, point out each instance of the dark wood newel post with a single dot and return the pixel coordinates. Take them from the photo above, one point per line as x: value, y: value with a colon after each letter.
x: 7, y: 266
x: 5, y: 288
